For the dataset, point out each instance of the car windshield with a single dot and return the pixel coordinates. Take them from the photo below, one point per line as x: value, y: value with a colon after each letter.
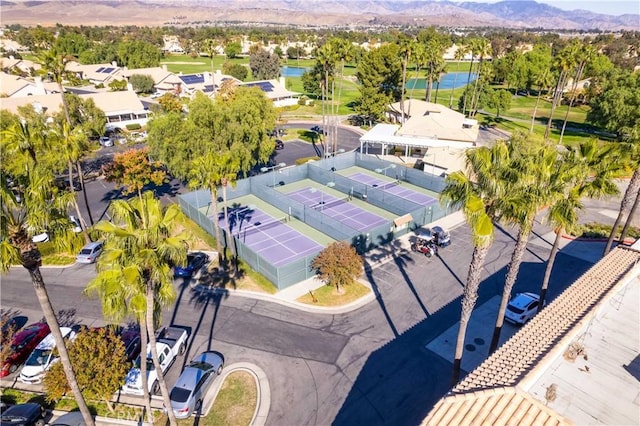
x: 85, y: 251
x: 201, y: 366
x: 38, y: 357
x: 515, y: 310
x: 179, y: 394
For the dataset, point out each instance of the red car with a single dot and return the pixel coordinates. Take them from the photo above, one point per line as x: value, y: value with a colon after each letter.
x: 23, y: 343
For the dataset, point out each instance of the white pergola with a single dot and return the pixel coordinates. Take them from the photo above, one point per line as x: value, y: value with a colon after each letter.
x: 385, y: 135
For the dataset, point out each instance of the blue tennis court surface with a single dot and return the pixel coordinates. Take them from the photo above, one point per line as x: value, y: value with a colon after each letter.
x: 268, y: 236
x: 395, y: 188
x: 338, y: 208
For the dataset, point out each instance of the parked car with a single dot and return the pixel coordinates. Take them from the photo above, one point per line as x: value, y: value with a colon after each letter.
x: 522, y: 308
x: 131, y: 340
x: 74, y: 418
x: 90, y: 252
x: 279, y: 144
x: 194, y: 382
x: 42, y: 357
x: 22, y: 345
x: 195, y: 261
x: 75, y: 224
x: 106, y: 141
x: 172, y: 341
x: 28, y: 414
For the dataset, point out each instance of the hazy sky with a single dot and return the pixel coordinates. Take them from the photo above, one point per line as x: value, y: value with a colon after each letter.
x: 609, y: 7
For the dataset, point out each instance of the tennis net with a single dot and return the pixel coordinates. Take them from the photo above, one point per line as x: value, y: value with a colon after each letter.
x: 389, y: 185
x: 261, y: 226
x: 332, y: 203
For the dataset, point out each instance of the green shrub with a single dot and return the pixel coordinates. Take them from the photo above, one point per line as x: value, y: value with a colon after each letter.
x: 600, y: 230
x: 134, y: 126
x: 306, y: 160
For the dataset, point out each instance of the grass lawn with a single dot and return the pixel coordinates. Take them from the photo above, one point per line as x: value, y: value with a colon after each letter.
x: 328, y: 296
x: 236, y: 401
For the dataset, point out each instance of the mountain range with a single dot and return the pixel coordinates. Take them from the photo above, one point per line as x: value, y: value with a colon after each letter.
x: 311, y: 13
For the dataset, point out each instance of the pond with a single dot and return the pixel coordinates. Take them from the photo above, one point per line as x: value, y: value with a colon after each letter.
x: 287, y: 71
x: 447, y: 81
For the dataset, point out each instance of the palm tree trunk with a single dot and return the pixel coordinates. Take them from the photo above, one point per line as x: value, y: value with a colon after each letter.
x: 547, y: 271
x: 630, y: 193
x: 33, y: 267
x: 574, y: 88
x: 557, y: 96
x: 510, y: 280
x: 84, y: 193
x: 229, y: 239
x: 404, y: 83
x: 216, y: 222
x: 76, y: 206
x: 65, y: 106
x: 464, y: 102
x: 144, y: 343
x: 469, y: 298
x: 475, y: 97
x: 627, y: 224
x: 455, y: 77
x: 535, y: 110
x: 164, y: 390
x: 429, y: 84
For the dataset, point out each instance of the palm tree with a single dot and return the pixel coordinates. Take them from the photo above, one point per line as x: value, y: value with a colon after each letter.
x: 471, y: 47
x: 480, y: 201
x: 210, y: 46
x: 543, y: 81
x: 206, y: 174
x: 40, y: 207
x: 135, y: 270
x: 563, y: 63
x: 583, y: 57
x: 406, y: 47
x: 229, y: 169
x: 461, y: 51
x: 54, y: 63
x: 71, y: 144
x: 483, y: 49
x: 585, y: 171
x: 632, y: 160
x: 344, y: 52
x: 534, y: 165
x: 327, y: 57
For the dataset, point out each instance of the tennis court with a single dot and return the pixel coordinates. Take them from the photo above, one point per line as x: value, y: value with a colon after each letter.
x: 338, y: 208
x: 268, y: 236
x: 394, y: 187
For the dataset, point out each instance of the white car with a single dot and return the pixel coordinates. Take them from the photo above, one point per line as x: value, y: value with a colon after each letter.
x: 522, y: 308
x: 42, y: 358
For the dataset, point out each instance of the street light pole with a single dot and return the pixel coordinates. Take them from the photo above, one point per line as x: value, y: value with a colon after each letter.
x: 273, y: 168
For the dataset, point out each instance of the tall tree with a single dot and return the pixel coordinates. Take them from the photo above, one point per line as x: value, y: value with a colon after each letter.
x: 585, y: 171
x: 133, y: 170
x: 586, y: 54
x: 480, y: 200
x: 141, y: 244
x: 564, y: 62
x: 461, y: 52
x: 40, y: 207
x: 407, y: 47
x: 434, y: 45
x: 630, y: 155
x: 533, y: 165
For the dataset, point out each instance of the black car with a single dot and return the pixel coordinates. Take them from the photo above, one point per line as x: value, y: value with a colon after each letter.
x: 28, y: 414
x: 195, y: 261
x: 279, y: 144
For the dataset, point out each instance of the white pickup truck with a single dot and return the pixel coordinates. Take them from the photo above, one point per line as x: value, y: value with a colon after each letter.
x: 171, y: 342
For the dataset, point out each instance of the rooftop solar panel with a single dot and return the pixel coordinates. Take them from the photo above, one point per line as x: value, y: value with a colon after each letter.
x: 265, y: 86
x: 192, y: 78
x: 100, y: 69
x: 108, y: 70
x: 208, y: 88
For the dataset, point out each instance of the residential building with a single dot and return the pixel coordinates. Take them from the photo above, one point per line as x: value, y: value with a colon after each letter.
x: 12, y: 86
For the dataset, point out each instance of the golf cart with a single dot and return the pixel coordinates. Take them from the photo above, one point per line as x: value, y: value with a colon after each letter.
x: 426, y: 247
x: 436, y: 235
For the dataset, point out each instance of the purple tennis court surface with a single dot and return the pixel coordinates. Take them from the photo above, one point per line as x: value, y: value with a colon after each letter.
x: 338, y: 208
x: 268, y: 236
x: 395, y: 188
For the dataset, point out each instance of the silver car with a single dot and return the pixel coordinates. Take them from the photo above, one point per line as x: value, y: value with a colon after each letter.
x: 90, y: 252
x: 192, y: 385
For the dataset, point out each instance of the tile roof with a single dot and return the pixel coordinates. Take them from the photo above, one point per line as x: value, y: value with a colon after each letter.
x: 504, y: 406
